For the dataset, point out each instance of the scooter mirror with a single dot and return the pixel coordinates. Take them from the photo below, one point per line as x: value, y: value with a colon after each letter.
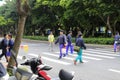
x: 24, y: 57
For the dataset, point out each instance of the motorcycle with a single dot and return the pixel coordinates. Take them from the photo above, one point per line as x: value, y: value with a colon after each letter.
x: 18, y: 72
x: 40, y: 69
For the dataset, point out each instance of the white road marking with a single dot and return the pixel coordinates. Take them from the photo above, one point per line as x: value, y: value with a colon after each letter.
x: 101, y: 50
x: 52, y: 60
x: 108, y: 57
x: 68, y: 58
x: 114, y: 70
x: 102, y: 53
x: 75, y: 54
x: 91, y: 58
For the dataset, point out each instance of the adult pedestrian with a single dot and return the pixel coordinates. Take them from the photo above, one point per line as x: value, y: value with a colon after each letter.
x: 80, y: 43
x: 116, y: 38
x: 62, y: 43
x: 10, y: 44
x: 3, y: 47
x: 51, y: 41
x: 69, y: 43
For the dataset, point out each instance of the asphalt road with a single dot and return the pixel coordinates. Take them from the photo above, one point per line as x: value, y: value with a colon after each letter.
x: 99, y: 63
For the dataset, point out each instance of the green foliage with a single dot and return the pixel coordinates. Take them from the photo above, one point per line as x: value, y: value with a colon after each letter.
x: 2, y: 21
x: 105, y: 41
x: 5, y: 22
x: 108, y: 41
x: 85, y: 15
x: 42, y: 38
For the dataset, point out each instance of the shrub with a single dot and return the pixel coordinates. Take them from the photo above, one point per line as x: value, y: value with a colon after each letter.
x: 107, y: 41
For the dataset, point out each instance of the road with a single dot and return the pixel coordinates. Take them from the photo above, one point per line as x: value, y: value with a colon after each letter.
x: 99, y: 63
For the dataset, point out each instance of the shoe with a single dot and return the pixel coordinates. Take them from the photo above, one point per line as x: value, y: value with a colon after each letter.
x: 81, y: 62
x: 64, y: 55
x: 75, y: 62
x: 60, y: 57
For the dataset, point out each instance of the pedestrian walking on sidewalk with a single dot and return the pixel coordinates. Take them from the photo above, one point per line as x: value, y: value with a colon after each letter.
x: 51, y: 41
x: 62, y: 43
x: 69, y: 43
x: 10, y: 44
x: 80, y: 43
x: 3, y: 47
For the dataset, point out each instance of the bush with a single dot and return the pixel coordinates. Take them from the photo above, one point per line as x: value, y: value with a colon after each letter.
x: 36, y: 38
x: 106, y: 41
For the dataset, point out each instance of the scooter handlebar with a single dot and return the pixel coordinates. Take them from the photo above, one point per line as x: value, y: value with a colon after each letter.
x: 25, y: 63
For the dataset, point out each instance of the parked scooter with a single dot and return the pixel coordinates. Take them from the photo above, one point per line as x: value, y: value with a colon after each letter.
x: 19, y: 73
x: 40, y: 70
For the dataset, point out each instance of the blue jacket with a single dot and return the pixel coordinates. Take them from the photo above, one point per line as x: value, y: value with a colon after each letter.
x: 80, y: 43
x: 61, y: 39
x: 11, y: 43
x: 69, y: 39
x: 6, y: 43
x: 117, y: 37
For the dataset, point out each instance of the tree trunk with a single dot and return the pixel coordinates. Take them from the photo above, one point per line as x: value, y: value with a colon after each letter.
x: 23, y: 11
x: 108, y: 24
x: 21, y: 23
x: 114, y: 26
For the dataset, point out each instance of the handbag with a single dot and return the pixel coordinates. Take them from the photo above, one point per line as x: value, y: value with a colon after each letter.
x: 76, y: 48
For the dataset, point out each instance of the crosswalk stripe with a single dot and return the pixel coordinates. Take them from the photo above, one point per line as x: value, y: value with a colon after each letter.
x: 114, y: 70
x: 68, y: 58
x: 102, y: 53
x: 75, y: 54
x: 101, y: 50
x: 52, y: 60
x: 89, y: 57
x: 102, y: 56
x: 108, y: 57
x: 89, y: 54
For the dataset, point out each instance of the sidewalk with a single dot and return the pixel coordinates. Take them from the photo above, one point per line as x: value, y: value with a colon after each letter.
x: 99, y: 46
x: 88, y: 45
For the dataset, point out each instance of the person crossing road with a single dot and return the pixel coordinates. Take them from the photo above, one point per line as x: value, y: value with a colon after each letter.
x: 80, y: 43
x: 69, y: 43
x: 62, y: 43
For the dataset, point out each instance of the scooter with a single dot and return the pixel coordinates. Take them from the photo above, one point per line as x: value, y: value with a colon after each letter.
x: 40, y: 70
x: 18, y: 73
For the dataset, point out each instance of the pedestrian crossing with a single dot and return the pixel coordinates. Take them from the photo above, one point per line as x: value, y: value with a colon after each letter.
x: 89, y: 55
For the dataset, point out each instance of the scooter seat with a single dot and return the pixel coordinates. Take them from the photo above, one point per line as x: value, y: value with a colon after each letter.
x: 65, y: 75
x: 22, y: 74
x: 44, y: 67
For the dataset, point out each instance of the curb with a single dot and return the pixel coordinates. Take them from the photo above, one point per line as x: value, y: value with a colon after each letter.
x: 88, y: 45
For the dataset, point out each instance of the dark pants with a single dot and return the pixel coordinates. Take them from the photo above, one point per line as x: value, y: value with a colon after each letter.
x: 3, y: 54
x: 67, y: 48
x: 61, y: 46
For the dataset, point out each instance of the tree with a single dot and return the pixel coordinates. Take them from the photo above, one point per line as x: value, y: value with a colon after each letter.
x: 9, y: 12
x: 23, y: 9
